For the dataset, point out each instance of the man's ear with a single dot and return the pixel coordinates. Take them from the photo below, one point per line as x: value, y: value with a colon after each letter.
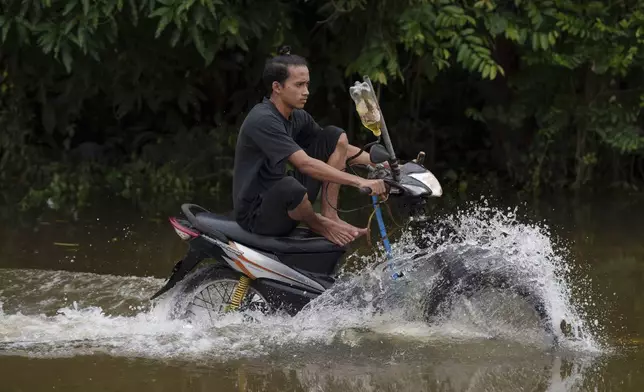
x: 277, y: 87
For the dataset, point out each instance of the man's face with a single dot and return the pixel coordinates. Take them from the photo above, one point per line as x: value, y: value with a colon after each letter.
x: 295, y: 90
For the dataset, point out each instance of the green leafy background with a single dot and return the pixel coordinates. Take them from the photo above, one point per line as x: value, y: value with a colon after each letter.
x: 142, y: 99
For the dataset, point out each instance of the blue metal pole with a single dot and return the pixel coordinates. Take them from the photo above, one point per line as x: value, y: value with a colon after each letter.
x: 383, y: 234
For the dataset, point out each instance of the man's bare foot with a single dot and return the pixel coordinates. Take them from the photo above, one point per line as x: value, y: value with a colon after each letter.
x: 336, y: 232
x: 336, y: 218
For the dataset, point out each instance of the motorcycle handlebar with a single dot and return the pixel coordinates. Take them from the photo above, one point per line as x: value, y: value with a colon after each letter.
x: 389, y: 183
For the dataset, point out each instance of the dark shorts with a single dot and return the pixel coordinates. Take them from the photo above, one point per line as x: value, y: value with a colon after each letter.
x: 270, y: 213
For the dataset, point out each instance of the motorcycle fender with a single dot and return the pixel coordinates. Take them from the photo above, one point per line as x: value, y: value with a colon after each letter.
x: 181, y: 269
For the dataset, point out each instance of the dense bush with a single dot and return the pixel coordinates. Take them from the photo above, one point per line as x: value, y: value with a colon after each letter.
x: 143, y: 98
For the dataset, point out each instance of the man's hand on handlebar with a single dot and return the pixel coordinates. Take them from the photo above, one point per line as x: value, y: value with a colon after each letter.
x: 373, y: 187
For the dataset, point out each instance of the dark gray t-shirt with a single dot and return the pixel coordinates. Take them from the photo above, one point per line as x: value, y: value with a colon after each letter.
x: 266, y: 139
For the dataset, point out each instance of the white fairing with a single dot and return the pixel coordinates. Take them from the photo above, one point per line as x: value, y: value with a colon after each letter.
x: 429, y: 180
x: 262, y: 266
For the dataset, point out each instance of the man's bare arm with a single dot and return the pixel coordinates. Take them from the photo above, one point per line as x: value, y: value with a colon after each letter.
x: 321, y: 171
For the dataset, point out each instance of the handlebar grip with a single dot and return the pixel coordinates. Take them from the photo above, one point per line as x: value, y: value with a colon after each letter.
x: 365, y: 190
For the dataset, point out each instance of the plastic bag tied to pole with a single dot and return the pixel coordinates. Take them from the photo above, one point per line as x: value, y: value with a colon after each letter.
x: 366, y: 106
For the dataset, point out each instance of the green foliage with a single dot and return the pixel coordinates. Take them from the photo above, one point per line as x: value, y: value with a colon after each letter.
x: 142, y: 99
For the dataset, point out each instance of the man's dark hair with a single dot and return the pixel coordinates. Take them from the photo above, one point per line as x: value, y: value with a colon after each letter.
x: 276, y: 68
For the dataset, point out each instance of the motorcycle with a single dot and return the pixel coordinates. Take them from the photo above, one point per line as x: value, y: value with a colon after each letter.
x: 262, y: 273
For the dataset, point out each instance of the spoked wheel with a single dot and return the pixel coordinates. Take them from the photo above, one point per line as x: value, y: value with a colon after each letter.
x: 209, y: 294
x: 215, y: 297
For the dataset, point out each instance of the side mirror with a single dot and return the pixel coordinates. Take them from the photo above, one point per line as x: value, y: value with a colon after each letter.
x: 378, y: 154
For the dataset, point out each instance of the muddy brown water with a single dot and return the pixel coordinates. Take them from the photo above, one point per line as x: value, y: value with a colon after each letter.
x: 75, y: 315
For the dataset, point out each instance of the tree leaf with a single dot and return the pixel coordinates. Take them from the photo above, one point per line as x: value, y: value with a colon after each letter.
x: 512, y: 33
x: 467, y: 32
x: 482, y: 50
x: 493, y: 71
x: 81, y: 39
x: 71, y: 4
x: 133, y: 12
x: 198, y: 41
x: 47, y: 41
x: 481, y: 66
x: 67, y: 58
x: 160, y: 12
x: 474, y: 39
x: 552, y: 38
x: 486, y: 71
x: 176, y: 35
x: 198, y: 15
x: 498, y: 24
x: 475, y: 63
x: 462, y: 52
x: 163, y: 22
x: 535, y: 42
x: 452, y: 9
x: 69, y: 26
x: 211, y: 7
x: 5, y: 29
x: 544, y: 41
x: 233, y: 26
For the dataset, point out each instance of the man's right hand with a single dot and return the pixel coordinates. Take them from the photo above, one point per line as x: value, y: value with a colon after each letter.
x: 377, y: 186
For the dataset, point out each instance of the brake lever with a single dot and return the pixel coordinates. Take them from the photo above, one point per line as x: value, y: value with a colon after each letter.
x: 393, y: 184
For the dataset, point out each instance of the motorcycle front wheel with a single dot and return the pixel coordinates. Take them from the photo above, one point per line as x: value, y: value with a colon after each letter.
x: 455, y: 283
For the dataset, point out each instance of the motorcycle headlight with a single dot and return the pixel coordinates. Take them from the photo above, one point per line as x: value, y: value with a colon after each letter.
x: 430, y: 181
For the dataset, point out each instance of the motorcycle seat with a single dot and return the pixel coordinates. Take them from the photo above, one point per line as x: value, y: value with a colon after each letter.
x: 300, y: 240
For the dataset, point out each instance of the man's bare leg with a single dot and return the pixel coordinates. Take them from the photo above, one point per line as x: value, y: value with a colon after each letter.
x: 330, y: 190
x: 335, y: 232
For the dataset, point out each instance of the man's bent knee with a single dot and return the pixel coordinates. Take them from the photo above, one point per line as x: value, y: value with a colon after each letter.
x: 336, y: 134
x: 292, y: 191
x: 343, y: 141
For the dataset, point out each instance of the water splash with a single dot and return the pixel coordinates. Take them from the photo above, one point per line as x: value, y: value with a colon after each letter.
x: 61, y: 313
x: 532, y: 254
x: 485, y: 240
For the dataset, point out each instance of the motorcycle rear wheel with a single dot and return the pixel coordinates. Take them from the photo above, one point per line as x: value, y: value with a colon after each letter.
x: 207, y: 294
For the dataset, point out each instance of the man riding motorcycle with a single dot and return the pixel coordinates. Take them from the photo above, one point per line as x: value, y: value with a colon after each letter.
x: 277, y: 130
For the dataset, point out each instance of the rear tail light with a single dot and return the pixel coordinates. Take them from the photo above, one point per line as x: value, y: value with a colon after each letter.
x: 183, y: 232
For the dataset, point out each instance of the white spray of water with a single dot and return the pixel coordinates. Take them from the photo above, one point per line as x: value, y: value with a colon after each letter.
x: 362, y: 302
x: 485, y: 240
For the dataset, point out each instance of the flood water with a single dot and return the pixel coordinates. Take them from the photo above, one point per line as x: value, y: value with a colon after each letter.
x: 75, y: 314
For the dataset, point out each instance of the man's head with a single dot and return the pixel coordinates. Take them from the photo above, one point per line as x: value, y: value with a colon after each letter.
x: 286, y: 77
